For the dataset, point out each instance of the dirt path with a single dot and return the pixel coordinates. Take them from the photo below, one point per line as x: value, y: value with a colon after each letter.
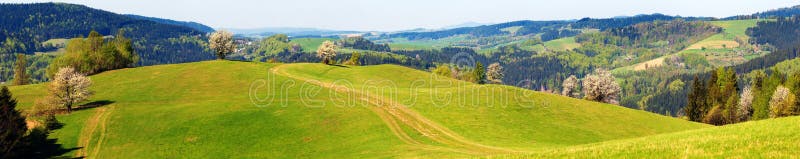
x: 394, y: 113
x: 98, y: 120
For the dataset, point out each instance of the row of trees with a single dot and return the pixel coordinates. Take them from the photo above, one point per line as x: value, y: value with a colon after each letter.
x: 95, y: 54
x: 479, y: 74
x: 720, y: 100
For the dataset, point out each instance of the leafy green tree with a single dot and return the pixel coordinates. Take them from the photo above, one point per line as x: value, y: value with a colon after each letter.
x: 795, y: 86
x: 93, y: 55
x: 95, y: 40
x: 443, y: 70
x: 12, y: 124
x: 479, y: 73
x: 20, y: 76
x: 761, y: 106
x: 676, y: 86
x: 354, y: 59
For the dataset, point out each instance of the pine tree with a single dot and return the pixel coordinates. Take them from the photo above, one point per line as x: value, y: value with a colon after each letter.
x: 696, y: 107
x: 480, y: 75
x: 12, y: 124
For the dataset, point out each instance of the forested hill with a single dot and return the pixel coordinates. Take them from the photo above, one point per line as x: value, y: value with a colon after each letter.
x: 609, y: 23
x: 781, y: 12
x: 549, y: 29
x: 27, y: 26
x: 525, y: 27
x: 193, y: 25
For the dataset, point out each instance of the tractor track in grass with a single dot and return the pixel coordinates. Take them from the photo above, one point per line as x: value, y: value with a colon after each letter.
x: 394, y: 114
x: 98, y: 120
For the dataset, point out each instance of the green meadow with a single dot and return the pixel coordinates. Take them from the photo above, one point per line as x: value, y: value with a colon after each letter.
x: 215, y: 109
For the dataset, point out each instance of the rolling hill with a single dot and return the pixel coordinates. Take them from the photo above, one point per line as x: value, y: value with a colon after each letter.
x: 207, y: 110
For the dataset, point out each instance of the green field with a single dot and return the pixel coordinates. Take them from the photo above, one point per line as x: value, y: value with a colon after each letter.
x: 204, y: 110
x: 310, y: 44
x: 405, y: 44
x: 731, y: 30
x: 737, y: 28
x: 567, y: 43
x: 773, y: 138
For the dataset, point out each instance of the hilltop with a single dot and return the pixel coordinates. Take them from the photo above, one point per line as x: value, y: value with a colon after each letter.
x: 205, y: 109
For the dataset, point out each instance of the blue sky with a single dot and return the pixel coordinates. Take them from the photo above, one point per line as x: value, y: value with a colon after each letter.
x: 384, y: 15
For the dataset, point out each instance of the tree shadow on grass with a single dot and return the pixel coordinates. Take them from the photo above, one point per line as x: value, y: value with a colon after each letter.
x: 339, y: 65
x: 37, y: 145
x: 94, y: 104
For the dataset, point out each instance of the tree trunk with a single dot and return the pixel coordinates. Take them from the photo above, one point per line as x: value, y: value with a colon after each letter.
x: 69, y: 108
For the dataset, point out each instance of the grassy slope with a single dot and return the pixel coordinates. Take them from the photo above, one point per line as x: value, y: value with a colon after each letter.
x: 499, y: 115
x: 773, y: 138
x: 202, y: 110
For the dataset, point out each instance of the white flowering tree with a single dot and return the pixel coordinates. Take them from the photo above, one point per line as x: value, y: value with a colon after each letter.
x: 69, y: 87
x: 602, y: 87
x: 782, y: 103
x: 222, y: 43
x: 495, y: 73
x: 570, y: 87
x: 326, y: 52
x: 745, y: 104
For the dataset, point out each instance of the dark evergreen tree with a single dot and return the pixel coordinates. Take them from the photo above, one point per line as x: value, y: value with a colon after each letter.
x: 480, y: 73
x: 12, y: 124
x: 697, y: 105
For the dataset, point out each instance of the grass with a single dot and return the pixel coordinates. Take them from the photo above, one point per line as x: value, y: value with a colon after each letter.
x: 203, y: 110
x: 773, y: 138
x: 310, y: 44
x: 567, y: 43
x: 208, y: 114
x: 405, y: 44
x: 517, y: 118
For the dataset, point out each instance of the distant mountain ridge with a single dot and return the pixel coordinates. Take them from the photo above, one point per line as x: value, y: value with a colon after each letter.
x: 290, y: 31
x: 194, y: 25
x: 551, y: 29
x: 780, y: 12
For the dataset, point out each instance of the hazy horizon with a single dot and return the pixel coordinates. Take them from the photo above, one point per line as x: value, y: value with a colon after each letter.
x: 363, y: 15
